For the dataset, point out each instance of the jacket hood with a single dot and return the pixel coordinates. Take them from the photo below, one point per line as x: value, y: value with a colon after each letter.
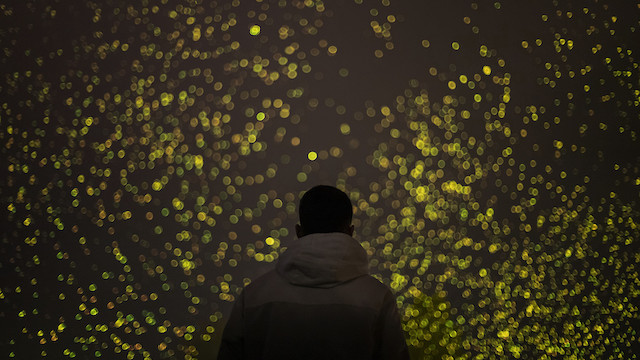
x: 323, y: 260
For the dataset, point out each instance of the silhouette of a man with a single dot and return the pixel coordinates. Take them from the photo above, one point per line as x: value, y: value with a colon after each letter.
x: 320, y: 302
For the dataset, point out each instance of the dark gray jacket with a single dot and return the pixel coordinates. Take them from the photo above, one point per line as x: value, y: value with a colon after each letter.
x: 319, y: 303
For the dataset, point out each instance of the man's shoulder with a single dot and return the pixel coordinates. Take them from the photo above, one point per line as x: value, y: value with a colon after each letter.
x: 372, y: 284
x: 267, y: 279
x: 272, y: 278
x: 364, y: 291
x: 374, y: 281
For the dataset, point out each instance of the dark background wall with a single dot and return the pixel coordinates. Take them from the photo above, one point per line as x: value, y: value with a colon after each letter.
x: 153, y: 154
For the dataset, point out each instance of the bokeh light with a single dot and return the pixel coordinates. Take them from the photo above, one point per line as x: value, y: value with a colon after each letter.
x: 153, y: 154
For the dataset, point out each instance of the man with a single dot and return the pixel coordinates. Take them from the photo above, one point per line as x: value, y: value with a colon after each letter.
x: 320, y: 302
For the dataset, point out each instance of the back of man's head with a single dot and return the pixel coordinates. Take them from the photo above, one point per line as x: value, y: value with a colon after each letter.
x: 325, y: 209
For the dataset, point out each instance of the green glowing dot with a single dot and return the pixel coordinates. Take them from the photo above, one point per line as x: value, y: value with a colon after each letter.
x: 254, y: 30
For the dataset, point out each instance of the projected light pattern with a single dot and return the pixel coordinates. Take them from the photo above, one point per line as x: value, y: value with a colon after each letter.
x: 154, y: 153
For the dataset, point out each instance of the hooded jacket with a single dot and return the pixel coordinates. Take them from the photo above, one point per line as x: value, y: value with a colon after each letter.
x: 319, y: 303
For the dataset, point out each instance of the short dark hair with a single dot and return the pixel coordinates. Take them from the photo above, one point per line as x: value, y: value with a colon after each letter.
x: 325, y: 209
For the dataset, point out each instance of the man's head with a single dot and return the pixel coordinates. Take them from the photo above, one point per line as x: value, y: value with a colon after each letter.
x: 324, y: 209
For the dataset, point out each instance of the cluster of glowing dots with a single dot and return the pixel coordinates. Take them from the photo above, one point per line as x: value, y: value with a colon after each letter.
x: 154, y: 155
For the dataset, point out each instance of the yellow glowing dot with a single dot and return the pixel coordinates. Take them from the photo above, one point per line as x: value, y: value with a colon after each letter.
x: 332, y: 50
x: 486, y: 70
x: 254, y: 30
x: 312, y: 155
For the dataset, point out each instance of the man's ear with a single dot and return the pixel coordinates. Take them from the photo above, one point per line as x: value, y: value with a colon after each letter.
x: 299, y: 231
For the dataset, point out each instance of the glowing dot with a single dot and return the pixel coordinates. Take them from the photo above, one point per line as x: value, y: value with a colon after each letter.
x: 486, y: 70
x: 254, y: 30
x: 312, y: 155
